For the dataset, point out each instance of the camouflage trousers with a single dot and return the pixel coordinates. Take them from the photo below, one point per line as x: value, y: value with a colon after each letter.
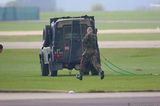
x: 88, y: 59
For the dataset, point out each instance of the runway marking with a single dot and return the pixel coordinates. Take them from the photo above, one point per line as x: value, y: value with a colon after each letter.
x: 102, y: 44
x: 105, y: 31
x: 24, y: 96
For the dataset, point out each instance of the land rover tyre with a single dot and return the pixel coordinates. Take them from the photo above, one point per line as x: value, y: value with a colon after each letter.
x: 44, y: 67
x: 93, y: 70
x: 54, y: 73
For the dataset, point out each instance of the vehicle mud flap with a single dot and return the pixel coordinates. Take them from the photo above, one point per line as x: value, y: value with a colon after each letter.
x: 54, y: 68
x: 45, y: 70
x: 54, y: 73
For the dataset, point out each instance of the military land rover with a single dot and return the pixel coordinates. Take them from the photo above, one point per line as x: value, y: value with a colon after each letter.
x: 62, y: 44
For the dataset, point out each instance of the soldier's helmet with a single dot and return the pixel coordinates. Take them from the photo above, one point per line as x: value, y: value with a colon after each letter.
x: 89, y: 30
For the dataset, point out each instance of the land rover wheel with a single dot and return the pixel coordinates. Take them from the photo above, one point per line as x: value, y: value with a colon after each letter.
x: 44, y: 67
x: 45, y: 70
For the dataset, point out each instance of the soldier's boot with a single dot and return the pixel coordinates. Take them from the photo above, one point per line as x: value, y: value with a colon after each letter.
x: 79, y: 76
x: 101, y: 75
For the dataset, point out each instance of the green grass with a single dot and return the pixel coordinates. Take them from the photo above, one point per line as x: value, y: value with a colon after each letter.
x: 138, y: 61
x: 116, y: 15
x: 119, y: 15
x: 107, y: 37
x: 21, y: 25
x: 129, y: 37
x: 25, y: 25
x: 21, y: 38
x: 20, y: 70
x: 127, y: 25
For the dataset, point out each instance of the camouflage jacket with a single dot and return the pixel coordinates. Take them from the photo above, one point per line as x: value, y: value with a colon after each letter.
x: 90, y: 43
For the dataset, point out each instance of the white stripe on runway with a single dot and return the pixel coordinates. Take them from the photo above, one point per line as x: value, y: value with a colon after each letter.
x: 35, y: 96
x: 102, y: 44
x: 109, y: 31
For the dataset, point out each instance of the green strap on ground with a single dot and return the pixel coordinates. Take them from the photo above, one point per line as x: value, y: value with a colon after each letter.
x: 114, y: 68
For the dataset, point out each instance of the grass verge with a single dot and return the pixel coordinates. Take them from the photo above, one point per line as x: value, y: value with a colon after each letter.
x: 117, y: 15
x: 129, y: 37
x: 114, y: 15
x: 20, y: 71
x: 33, y: 38
x: 102, y: 37
x: 31, y: 26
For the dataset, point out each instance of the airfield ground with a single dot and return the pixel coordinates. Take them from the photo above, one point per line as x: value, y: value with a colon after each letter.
x: 133, y: 38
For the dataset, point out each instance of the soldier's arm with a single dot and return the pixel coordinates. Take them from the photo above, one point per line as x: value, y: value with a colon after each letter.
x: 85, y: 39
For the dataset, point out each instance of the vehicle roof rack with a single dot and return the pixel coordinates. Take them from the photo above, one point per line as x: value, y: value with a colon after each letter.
x: 85, y: 16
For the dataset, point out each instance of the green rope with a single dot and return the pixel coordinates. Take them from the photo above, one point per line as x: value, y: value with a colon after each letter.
x: 106, y: 67
x: 120, y: 68
x: 124, y: 72
x: 112, y: 69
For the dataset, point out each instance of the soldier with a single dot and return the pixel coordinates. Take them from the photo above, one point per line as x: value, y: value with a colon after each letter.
x: 1, y: 48
x: 90, y: 54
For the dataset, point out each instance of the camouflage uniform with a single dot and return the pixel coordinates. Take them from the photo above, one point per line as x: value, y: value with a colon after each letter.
x: 90, y: 53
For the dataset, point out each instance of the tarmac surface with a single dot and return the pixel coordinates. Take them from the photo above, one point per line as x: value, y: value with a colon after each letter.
x: 109, y: 31
x: 102, y: 44
x: 80, y: 99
